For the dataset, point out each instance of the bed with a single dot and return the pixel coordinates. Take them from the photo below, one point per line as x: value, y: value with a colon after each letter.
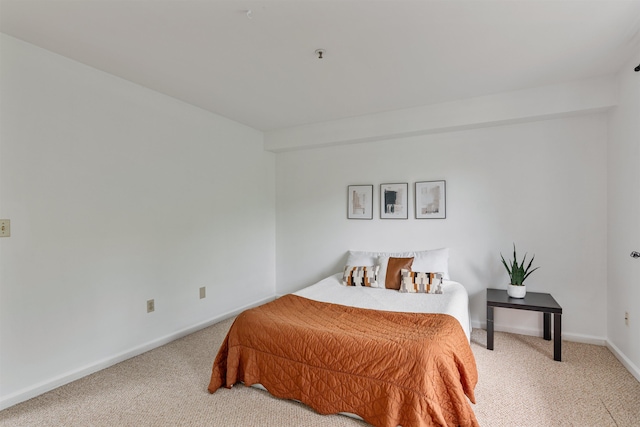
x: 391, y: 358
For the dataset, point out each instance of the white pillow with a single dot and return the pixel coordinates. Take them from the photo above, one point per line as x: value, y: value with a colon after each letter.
x: 434, y: 260
x: 383, y: 261
x: 356, y: 258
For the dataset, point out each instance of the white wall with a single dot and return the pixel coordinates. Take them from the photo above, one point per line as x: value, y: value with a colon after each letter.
x: 624, y: 219
x: 532, y: 104
x: 541, y: 185
x: 116, y: 195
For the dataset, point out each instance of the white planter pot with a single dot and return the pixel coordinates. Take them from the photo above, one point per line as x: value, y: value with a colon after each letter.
x: 516, y: 291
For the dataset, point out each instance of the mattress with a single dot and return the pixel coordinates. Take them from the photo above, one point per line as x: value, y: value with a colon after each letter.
x: 453, y: 301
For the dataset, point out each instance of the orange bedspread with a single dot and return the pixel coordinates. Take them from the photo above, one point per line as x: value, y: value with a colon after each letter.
x: 390, y: 368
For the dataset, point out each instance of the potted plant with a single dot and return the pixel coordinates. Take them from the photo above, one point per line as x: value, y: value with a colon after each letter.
x: 517, y: 274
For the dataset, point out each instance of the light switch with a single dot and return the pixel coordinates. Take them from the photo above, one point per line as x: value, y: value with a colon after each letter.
x: 5, y: 228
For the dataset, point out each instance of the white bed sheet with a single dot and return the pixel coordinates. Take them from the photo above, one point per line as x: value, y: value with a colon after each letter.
x: 454, y: 299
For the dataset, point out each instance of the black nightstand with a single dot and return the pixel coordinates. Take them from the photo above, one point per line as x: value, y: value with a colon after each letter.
x: 533, y: 301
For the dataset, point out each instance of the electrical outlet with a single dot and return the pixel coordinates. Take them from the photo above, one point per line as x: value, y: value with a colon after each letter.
x: 151, y: 306
x: 626, y: 318
x: 5, y: 228
x: 203, y: 292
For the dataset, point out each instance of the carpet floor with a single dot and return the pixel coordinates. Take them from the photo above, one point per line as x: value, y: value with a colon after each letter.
x: 519, y: 385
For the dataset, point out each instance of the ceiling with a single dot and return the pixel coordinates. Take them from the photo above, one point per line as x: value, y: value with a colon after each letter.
x: 260, y: 68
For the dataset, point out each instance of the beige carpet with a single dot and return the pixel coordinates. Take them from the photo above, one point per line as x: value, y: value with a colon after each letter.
x: 520, y: 385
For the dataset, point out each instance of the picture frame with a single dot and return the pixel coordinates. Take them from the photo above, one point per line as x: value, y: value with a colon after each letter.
x: 431, y: 200
x: 394, y: 201
x: 360, y: 202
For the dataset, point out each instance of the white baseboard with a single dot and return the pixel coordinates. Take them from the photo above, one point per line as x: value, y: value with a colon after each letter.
x: 567, y: 336
x: 48, y: 385
x: 633, y: 369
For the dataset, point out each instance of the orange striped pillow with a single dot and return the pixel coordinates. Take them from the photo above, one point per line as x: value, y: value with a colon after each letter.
x: 419, y: 282
x: 361, y: 276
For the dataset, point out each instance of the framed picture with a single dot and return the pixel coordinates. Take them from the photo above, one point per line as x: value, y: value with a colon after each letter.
x: 360, y: 202
x: 431, y: 200
x: 394, y: 201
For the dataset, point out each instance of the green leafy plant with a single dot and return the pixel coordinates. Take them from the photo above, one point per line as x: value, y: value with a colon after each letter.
x: 517, y: 272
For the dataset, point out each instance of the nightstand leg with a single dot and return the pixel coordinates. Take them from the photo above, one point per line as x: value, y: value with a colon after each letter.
x: 489, y: 327
x: 547, y: 326
x: 557, y: 337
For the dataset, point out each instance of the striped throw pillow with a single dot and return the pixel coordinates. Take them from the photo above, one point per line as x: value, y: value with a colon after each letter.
x: 361, y: 276
x: 419, y: 282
